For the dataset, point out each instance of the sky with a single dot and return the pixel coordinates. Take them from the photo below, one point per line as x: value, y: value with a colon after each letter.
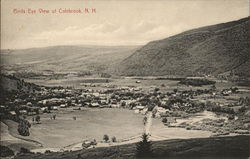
x: 109, y: 22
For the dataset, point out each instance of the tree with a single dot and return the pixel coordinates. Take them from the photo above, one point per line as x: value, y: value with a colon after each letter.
x: 106, y: 138
x: 69, y: 102
x: 113, y: 139
x: 164, y: 120
x: 123, y: 104
x: 213, y: 87
x: 37, y: 111
x: 49, y: 107
x: 145, y: 119
x: 79, y: 156
x: 37, y: 118
x: 143, y: 148
x: 234, y: 90
x: 23, y: 127
x: 175, y: 90
x: 151, y: 107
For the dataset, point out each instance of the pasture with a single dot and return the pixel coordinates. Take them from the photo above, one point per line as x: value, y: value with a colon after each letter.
x: 89, y: 124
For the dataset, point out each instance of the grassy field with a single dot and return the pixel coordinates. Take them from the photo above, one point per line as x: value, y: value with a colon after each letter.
x: 89, y: 124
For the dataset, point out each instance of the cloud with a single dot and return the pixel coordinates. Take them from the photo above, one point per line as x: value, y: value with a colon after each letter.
x: 100, y: 34
x: 115, y: 23
x: 106, y: 34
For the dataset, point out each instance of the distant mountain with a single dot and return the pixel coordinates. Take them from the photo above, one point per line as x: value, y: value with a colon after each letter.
x: 208, y: 50
x: 64, y: 58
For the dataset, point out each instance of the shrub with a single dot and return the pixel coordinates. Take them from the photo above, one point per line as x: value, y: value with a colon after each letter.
x: 157, y: 89
x: 24, y: 150
x: 231, y: 117
x: 242, y: 109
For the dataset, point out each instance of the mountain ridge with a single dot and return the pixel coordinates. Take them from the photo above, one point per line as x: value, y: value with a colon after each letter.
x: 211, y: 49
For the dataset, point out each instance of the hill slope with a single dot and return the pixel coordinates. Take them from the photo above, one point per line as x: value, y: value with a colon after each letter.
x: 201, y: 148
x: 11, y: 83
x: 210, y: 50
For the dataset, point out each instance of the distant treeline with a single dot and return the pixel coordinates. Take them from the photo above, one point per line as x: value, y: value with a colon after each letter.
x: 196, y: 82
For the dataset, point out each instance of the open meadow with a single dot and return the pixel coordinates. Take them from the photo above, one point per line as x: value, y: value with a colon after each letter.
x: 89, y: 124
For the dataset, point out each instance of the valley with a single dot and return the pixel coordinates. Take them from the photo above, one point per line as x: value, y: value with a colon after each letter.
x: 188, y: 93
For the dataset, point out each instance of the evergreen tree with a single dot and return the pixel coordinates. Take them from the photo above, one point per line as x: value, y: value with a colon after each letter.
x: 143, y: 148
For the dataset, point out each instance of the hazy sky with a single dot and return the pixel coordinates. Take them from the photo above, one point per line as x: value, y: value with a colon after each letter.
x: 123, y: 22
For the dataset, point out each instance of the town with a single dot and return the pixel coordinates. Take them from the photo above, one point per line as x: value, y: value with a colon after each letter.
x: 168, y: 106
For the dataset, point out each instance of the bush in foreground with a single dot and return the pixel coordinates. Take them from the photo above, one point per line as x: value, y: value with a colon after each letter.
x: 24, y: 150
x: 5, y: 151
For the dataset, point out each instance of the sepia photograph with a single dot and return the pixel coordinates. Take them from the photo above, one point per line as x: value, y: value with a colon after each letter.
x: 125, y: 79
